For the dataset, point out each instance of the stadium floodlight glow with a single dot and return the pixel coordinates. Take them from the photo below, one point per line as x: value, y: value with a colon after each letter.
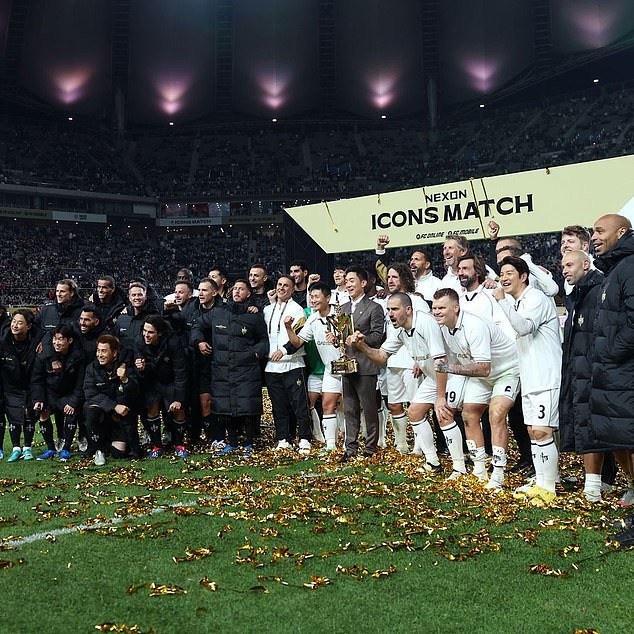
x: 71, y: 84
x: 274, y: 119
x: 482, y: 73
x: 171, y: 92
x: 595, y: 80
x: 482, y: 105
x: 383, y: 116
x: 172, y: 123
x: 382, y: 88
x: 70, y: 118
x: 274, y: 86
x: 596, y: 26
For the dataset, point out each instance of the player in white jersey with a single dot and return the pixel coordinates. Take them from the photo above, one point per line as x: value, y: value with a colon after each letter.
x: 479, y: 300
x: 315, y: 329
x: 401, y: 384
x: 454, y: 248
x: 534, y: 318
x: 419, y: 334
x: 481, y: 352
x: 539, y: 277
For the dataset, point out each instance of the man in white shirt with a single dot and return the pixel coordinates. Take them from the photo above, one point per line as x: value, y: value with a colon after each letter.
x: 479, y: 300
x: 315, y: 329
x: 419, y: 334
x: 401, y: 384
x: 482, y: 353
x: 534, y: 318
x: 284, y: 372
x: 339, y: 294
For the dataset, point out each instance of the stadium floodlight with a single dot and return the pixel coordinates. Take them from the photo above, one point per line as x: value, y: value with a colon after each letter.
x: 171, y: 123
x: 383, y: 116
x: 274, y: 120
x: 481, y: 105
x: 595, y: 80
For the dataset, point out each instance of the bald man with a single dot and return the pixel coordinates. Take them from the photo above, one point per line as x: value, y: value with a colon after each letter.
x: 611, y: 422
x: 576, y: 368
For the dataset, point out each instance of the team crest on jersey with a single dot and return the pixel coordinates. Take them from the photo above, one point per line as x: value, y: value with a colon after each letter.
x: 299, y: 381
x: 244, y: 330
x: 580, y: 320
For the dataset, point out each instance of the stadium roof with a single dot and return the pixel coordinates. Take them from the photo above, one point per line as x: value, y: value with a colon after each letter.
x: 155, y: 61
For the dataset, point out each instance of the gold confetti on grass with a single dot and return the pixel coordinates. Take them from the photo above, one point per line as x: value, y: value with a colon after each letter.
x: 212, y: 586
x: 317, y: 582
x: 157, y: 590
x: 11, y: 563
x: 122, y: 628
x: 547, y: 571
x: 194, y: 554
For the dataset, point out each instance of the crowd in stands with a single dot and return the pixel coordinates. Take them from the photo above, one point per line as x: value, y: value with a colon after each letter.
x: 338, y: 159
x: 35, y: 257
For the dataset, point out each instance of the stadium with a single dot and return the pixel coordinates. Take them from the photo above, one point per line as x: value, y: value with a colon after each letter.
x: 189, y: 189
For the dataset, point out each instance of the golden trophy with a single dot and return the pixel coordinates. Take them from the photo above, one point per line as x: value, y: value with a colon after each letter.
x: 341, y: 325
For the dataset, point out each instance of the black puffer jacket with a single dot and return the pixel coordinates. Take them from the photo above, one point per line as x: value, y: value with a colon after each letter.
x: 53, y: 314
x: 103, y: 388
x: 16, y: 362
x: 47, y: 385
x: 129, y: 326
x: 110, y: 311
x: 165, y: 364
x: 239, y: 340
x: 576, y: 367
x: 612, y: 396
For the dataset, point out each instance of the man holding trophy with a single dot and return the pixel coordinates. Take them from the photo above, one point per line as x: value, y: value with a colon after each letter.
x: 358, y: 372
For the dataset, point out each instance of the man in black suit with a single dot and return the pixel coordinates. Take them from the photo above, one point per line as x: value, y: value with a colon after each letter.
x: 359, y: 388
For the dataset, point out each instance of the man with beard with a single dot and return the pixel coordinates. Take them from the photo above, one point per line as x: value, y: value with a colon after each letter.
x: 258, y: 279
x: 58, y: 389
x: 88, y: 329
x: 220, y: 276
x: 299, y: 274
x: 426, y: 283
x: 419, y: 333
x: 110, y: 390
x: 479, y: 300
x: 161, y: 364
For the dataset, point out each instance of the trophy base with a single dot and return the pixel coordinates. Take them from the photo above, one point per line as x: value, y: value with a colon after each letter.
x: 345, y: 365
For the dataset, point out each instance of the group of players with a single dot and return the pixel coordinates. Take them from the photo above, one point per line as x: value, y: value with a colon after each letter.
x: 452, y: 354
